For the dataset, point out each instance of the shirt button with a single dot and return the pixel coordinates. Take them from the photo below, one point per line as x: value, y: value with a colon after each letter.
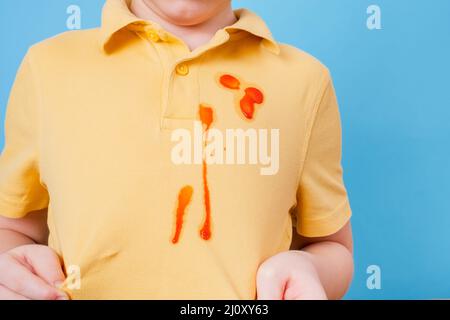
x: 182, y: 69
x: 163, y: 36
x: 153, y: 35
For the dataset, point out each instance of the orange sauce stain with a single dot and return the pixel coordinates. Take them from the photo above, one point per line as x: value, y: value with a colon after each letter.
x: 206, y: 116
x: 255, y: 94
x: 205, y: 231
x: 230, y: 82
x: 251, y: 96
x: 184, y: 198
x: 247, y: 107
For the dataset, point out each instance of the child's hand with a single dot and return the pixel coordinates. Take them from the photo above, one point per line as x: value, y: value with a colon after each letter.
x: 289, y: 275
x: 30, y: 272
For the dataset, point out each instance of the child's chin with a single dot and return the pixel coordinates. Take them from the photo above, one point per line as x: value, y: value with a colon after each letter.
x: 187, y: 12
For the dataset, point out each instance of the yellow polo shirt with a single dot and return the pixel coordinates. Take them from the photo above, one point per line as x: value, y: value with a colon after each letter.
x: 92, y: 127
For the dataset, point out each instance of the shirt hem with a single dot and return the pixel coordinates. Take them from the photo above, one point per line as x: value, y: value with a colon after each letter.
x: 10, y: 208
x: 327, y: 225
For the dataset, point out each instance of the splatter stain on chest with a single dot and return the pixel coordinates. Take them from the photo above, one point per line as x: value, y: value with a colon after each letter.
x: 184, y: 198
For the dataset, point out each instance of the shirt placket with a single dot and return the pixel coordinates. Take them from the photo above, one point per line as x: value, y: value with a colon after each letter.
x: 180, y: 84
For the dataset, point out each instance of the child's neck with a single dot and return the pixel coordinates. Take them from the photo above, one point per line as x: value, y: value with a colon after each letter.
x: 194, y: 36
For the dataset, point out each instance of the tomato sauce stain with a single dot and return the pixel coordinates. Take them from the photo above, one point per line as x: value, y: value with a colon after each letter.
x: 206, y: 117
x: 255, y: 95
x: 247, y: 103
x: 230, y: 82
x: 247, y: 107
x: 184, y: 198
x: 251, y: 96
x: 205, y: 231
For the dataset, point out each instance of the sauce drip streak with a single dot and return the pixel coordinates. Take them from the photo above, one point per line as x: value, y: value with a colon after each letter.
x: 206, y: 116
x: 205, y: 231
x: 184, y: 198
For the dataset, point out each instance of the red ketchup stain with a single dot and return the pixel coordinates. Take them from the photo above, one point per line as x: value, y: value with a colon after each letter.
x: 247, y: 107
x: 255, y: 95
x: 184, y: 198
x: 205, y: 231
x: 230, y: 82
x: 251, y: 96
x: 206, y: 117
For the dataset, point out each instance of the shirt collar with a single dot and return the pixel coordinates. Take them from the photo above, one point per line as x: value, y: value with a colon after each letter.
x: 252, y: 23
x: 117, y: 16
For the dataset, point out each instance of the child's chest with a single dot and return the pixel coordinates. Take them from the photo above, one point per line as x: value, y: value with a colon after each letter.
x: 173, y: 160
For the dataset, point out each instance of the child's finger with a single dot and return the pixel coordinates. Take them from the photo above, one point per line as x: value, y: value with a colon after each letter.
x: 46, y: 264
x: 270, y: 284
x: 17, y: 278
x: 314, y: 292
x: 6, y: 294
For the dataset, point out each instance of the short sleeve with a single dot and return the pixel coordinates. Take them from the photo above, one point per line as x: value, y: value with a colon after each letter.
x: 322, y: 204
x: 20, y: 189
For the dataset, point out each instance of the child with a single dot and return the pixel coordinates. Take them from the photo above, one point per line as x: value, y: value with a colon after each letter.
x: 170, y: 152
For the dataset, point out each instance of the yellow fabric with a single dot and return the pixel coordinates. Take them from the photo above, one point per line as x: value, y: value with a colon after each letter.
x: 88, y: 135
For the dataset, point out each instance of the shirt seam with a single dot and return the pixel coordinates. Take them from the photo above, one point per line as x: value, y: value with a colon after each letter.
x: 306, y: 148
x: 336, y: 211
x: 12, y: 199
x: 162, y: 64
x: 38, y: 108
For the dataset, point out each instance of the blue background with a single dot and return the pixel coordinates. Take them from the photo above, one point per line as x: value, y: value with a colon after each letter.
x: 394, y: 95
